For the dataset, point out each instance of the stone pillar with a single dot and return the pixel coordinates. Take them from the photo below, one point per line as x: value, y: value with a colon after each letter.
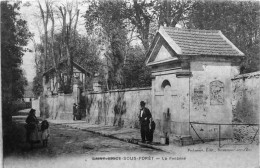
x: 44, y: 85
x: 96, y: 84
x: 77, y: 85
x: 75, y: 92
x: 96, y: 87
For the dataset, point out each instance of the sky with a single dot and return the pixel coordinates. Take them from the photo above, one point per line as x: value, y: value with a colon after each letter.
x: 28, y: 58
x: 29, y: 13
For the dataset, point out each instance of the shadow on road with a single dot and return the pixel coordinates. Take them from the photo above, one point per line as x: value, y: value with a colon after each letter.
x: 14, y: 140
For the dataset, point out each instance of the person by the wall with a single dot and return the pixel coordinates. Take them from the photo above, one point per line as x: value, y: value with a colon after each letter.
x: 75, y: 111
x: 144, y: 118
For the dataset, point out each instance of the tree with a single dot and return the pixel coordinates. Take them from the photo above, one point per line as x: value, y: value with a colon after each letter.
x: 14, y: 36
x: 239, y: 22
x: 86, y: 53
x: 107, y: 19
x: 69, y: 12
x: 40, y: 61
x: 59, y: 45
x: 116, y: 22
x: 141, y: 15
x: 171, y: 12
x: 136, y: 74
x: 37, y: 85
x: 45, y: 15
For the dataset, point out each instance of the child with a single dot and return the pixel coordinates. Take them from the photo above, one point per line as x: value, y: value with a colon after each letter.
x: 45, y: 132
x: 151, y: 130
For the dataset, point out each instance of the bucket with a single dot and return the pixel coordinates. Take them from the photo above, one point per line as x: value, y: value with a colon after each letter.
x: 163, y: 140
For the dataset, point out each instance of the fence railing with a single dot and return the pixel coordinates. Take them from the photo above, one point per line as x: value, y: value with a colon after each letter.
x: 205, y: 132
x: 223, y: 130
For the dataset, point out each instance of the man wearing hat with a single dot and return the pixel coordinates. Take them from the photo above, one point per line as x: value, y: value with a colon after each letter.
x: 144, y: 118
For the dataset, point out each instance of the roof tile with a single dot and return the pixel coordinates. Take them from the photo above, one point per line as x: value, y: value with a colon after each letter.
x: 204, y: 42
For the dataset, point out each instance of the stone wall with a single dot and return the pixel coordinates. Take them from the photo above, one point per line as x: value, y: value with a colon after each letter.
x: 246, y: 106
x: 57, y: 107
x: 117, y: 108
x: 211, y: 96
x: 246, y: 134
x: 246, y: 98
x: 121, y: 107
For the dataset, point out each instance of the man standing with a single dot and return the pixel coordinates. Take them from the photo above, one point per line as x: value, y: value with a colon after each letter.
x: 144, y: 118
x: 74, y: 111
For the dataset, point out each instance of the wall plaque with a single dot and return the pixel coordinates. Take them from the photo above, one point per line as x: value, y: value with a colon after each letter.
x: 216, y: 93
x: 198, y: 98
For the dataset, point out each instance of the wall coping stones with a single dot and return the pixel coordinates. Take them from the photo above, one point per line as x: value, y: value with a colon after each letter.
x: 59, y: 95
x: 120, y: 90
x: 247, y: 75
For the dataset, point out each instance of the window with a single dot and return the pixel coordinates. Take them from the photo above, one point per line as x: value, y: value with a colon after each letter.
x: 165, y: 83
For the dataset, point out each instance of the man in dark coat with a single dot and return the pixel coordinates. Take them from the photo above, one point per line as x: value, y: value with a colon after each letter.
x: 75, y: 110
x: 144, y: 118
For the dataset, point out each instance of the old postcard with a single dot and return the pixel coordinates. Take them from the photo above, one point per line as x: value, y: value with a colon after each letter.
x: 130, y: 83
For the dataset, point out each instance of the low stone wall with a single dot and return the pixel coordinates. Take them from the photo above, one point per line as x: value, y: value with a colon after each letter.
x: 246, y: 133
x: 117, y: 107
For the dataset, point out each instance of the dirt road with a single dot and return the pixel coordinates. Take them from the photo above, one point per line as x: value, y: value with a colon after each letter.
x: 69, y: 147
x: 69, y: 143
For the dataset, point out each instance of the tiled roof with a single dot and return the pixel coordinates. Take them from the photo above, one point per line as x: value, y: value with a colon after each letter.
x: 202, y: 42
x: 74, y: 64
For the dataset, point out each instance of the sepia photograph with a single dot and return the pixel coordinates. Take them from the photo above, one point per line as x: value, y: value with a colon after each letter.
x: 130, y: 83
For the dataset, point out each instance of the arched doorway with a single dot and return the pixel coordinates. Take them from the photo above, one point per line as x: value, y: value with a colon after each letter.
x: 167, y: 105
x: 166, y: 89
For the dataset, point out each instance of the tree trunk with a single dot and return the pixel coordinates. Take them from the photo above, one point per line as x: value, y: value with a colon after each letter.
x: 45, y: 20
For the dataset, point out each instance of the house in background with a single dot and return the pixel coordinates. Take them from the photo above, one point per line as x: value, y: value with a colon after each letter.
x: 192, y: 71
x: 50, y: 84
x: 57, y: 101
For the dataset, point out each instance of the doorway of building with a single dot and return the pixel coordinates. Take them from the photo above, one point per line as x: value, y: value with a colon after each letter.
x: 167, y: 106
